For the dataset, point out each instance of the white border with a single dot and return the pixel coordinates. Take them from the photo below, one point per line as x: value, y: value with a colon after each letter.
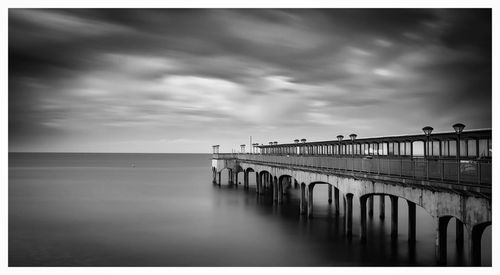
x: 235, y: 4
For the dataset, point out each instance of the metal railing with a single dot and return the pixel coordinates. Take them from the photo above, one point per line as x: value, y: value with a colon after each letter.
x: 477, y: 172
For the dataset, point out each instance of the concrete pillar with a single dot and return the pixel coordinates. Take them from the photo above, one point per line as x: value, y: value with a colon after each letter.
x: 349, y: 214
x: 257, y: 181
x: 245, y: 180
x: 412, y: 222
x: 394, y: 217
x: 337, y: 202
x: 460, y: 235
x: 441, y: 226
x: 303, y: 201
x: 310, y: 200
x: 370, y: 206
x: 362, y: 204
x: 475, y: 249
x: 280, y: 190
x: 220, y: 177
x: 236, y: 179
x: 329, y: 193
x: 475, y: 243
x: 261, y: 185
x: 382, y: 207
x: 275, y: 190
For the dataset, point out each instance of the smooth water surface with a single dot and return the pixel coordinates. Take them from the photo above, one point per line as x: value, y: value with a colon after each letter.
x: 163, y: 210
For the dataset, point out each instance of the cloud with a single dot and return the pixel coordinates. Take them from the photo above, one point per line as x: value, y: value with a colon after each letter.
x: 83, y: 78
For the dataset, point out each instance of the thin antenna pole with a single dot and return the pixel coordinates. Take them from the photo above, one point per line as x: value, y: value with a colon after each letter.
x: 251, y: 145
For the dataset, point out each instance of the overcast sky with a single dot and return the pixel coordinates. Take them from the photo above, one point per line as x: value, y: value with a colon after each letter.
x: 183, y: 80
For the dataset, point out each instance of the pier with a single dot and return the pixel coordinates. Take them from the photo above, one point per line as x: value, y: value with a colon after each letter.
x: 447, y: 174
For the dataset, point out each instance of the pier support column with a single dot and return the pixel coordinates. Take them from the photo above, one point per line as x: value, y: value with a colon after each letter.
x: 474, y: 249
x: 236, y: 178
x: 394, y: 217
x: 310, y: 200
x: 460, y: 235
x: 412, y: 222
x: 261, y: 186
x: 257, y: 182
x: 275, y: 190
x: 337, y: 202
x: 441, y: 238
x: 303, y: 203
x: 230, y: 177
x: 349, y: 215
x: 382, y: 207
x: 280, y: 190
x: 295, y: 184
x: 220, y: 177
x: 214, y: 176
x: 475, y: 243
x: 329, y: 193
x: 245, y: 180
x: 362, y: 203
x: 370, y: 207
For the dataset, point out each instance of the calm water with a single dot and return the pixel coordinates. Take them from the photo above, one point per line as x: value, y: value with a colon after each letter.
x: 163, y: 210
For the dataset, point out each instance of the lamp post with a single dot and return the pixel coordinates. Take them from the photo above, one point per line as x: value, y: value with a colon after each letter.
x: 340, y: 138
x: 353, y: 137
x: 427, y: 131
x: 458, y: 127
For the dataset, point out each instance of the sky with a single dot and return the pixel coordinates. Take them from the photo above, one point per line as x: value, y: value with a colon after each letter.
x: 182, y: 80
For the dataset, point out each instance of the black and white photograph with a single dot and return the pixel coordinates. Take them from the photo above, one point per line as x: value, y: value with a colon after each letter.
x: 249, y: 137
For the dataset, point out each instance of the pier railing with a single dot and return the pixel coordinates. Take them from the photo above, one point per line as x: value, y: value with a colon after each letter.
x: 476, y: 172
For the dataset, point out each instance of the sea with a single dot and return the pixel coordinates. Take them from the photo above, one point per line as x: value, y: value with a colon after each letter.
x: 100, y: 209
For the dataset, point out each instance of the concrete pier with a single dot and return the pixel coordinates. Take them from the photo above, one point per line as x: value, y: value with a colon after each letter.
x: 412, y: 222
x: 310, y: 201
x: 362, y: 207
x: 370, y: 206
x: 382, y: 207
x: 348, y: 198
x: 329, y: 193
x: 394, y: 217
x: 391, y: 170
x: 303, y: 200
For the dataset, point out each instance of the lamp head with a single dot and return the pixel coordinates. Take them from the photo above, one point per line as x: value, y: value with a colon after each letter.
x: 458, y: 127
x: 340, y: 137
x: 353, y: 136
x: 427, y: 130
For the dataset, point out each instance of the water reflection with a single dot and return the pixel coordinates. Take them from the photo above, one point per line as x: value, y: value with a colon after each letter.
x: 166, y: 212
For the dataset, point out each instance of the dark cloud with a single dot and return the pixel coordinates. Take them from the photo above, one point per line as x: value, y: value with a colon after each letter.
x: 179, y: 72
